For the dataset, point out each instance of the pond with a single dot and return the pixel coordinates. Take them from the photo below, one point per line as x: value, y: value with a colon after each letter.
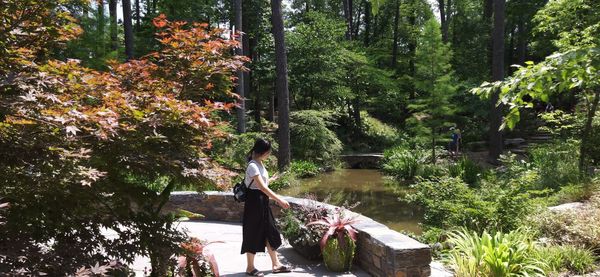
x: 377, y: 200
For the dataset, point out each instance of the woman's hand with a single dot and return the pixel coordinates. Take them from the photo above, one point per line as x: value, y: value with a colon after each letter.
x: 274, y: 177
x: 284, y: 204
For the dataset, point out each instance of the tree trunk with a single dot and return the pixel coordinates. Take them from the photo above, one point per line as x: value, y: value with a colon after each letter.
x: 281, y: 85
x: 587, y: 131
x: 127, y: 25
x: 357, y: 23
x: 433, y: 157
x: 521, y: 43
x: 367, y: 35
x: 137, y: 14
x: 496, y: 142
x: 356, y: 112
x: 348, y: 16
x: 271, y: 111
x: 307, y: 7
x: 112, y: 8
x: 100, y: 38
x: 443, y: 20
x: 239, y: 88
x: 510, y: 55
x: 396, y: 24
x: 412, y: 49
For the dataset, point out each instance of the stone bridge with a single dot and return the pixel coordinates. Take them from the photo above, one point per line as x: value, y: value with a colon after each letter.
x: 363, y: 161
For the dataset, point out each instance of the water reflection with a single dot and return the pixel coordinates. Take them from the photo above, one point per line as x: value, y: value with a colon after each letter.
x: 377, y: 200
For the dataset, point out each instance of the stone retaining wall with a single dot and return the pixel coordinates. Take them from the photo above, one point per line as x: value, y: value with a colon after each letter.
x: 380, y: 250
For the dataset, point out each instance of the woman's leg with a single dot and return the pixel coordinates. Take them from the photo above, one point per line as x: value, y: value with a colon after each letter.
x: 273, y: 255
x: 250, y: 259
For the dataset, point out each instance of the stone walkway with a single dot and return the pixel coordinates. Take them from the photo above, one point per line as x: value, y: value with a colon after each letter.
x: 232, y: 263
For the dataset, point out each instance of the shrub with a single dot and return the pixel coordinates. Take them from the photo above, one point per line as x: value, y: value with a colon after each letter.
x: 373, y: 136
x: 500, y: 254
x: 311, y: 139
x: 378, y: 134
x: 233, y: 150
x: 448, y: 202
x: 303, y: 169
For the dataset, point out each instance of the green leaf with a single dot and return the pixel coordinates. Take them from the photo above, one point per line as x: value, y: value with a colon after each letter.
x: 181, y: 214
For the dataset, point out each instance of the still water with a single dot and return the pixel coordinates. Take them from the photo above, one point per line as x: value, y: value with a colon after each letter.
x: 377, y: 200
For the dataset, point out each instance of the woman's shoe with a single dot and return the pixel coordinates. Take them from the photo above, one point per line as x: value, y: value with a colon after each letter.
x: 255, y: 272
x: 281, y: 269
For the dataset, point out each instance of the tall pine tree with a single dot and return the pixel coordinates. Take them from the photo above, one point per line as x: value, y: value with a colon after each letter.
x: 434, y: 82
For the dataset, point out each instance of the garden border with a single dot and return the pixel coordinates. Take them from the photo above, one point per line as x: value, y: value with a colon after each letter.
x: 380, y: 250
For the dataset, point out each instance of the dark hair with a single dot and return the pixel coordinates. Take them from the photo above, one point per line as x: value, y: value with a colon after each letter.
x: 260, y: 147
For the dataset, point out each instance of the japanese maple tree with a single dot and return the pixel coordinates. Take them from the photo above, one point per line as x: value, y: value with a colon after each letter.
x: 83, y: 149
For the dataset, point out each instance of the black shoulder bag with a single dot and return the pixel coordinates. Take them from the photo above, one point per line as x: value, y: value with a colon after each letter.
x: 240, y: 190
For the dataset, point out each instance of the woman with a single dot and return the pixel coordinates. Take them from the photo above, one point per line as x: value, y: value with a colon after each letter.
x: 259, y: 230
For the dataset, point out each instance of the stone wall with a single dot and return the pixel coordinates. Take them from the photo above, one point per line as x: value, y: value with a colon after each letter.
x: 380, y: 250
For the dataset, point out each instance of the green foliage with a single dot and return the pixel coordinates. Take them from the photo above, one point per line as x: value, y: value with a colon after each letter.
x: 315, y: 55
x: 285, y: 180
x: 549, y: 166
x: 449, y: 202
x: 303, y: 169
x: 566, y: 258
x: 435, y: 83
x: 570, y: 23
x: 378, y: 134
x: 573, y: 71
x: 312, y: 139
x: 405, y: 163
x: 467, y: 170
x: 232, y: 151
x: 85, y: 150
x: 555, y: 164
x: 498, y: 254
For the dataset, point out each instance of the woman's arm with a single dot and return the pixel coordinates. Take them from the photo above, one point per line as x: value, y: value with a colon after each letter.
x: 261, y: 186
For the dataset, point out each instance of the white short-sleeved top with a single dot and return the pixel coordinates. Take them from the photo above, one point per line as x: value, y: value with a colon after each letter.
x: 255, y: 168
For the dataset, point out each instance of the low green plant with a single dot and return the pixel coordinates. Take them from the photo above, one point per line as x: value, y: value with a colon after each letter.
x: 578, y: 260
x: 467, y: 170
x: 405, y: 163
x: 556, y: 163
x: 304, y: 169
x: 566, y: 258
x: 498, y: 254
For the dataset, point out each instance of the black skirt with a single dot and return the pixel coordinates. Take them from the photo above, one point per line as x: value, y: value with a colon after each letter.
x: 258, y: 224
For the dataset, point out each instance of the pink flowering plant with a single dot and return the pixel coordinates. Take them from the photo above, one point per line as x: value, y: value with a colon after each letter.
x: 338, y: 242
